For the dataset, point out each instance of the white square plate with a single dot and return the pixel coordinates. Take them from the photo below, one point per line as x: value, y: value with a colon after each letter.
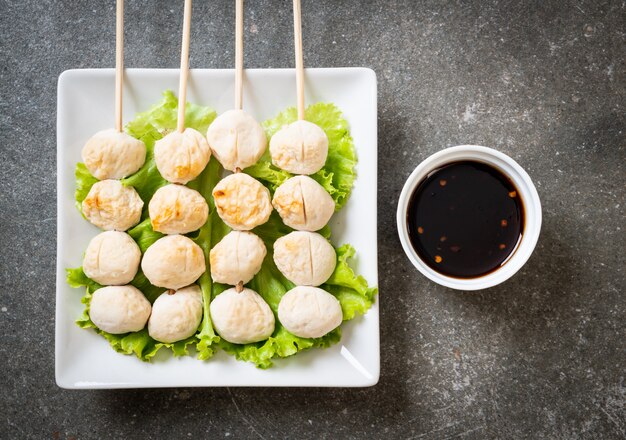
x: 85, y: 105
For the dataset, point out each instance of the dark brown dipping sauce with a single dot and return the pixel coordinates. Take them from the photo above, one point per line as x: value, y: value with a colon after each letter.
x: 465, y: 219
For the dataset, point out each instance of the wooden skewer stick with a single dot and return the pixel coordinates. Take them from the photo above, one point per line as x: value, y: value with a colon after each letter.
x: 297, y: 35
x: 238, y: 54
x: 119, y: 62
x: 184, y: 67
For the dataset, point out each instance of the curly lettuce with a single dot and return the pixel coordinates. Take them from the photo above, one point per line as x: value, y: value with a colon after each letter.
x: 207, y: 338
x: 337, y: 177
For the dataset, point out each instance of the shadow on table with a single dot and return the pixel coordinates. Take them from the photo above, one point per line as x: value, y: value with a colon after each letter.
x: 530, y: 324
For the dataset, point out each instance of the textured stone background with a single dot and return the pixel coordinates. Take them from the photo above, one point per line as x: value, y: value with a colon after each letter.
x: 542, y: 356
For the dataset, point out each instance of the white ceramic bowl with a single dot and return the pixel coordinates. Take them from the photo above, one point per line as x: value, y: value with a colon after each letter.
x: 530, y: 199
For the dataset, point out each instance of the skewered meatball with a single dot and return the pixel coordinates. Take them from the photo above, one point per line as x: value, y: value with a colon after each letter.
x: 242, y: 317
x: 181, y: 157
x: 173, y: 262
x: 112, y: 206
x: 305, y: 258
x: 111, y: 154
x: 300, y: 148
x: 112, y: 258
x: 237, y: 258
x: 119, y: 309
x: 176, y: 315
x: 176, y: 209
x: 303, y: 204
x: 242, y: 202
x: 309, y: 312
x: 236, y: 139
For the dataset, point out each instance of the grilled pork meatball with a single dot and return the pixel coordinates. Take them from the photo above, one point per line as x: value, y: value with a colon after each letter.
x: 173, y: 261
x: 303, y: 204
x: 242, y: 317
x: 237, y: 258
x: 309, y: 312
x: 300, y: 148
x: 176, y: 209
x: 112, y: 206
x: 111, y: 154
x: 305, y: 258
x: 176, y: 315
x: 242, y: 202
x: 236, y: 139
x: 181, y: 157
x: 112, y: 258
x: 119, y: 309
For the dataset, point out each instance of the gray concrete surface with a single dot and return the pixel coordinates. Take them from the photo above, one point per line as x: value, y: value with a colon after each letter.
x: 542, y: 356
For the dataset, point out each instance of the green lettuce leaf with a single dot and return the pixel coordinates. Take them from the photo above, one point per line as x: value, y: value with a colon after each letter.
x: 268, y: 174
x: 144, y: 235
x: 338, y: 174
x: 352, y: 291
x: 208, y: 235
x: 163, y: 117
x: 84, y: 182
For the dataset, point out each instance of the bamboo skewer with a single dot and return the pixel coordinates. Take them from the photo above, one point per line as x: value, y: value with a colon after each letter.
x: 236, y: 138
x: 238, y: 66
x: 297, y: 35
x: 303, y: 145
x: 184, y: 67
x: 238, y: 54
x: 119, y: 62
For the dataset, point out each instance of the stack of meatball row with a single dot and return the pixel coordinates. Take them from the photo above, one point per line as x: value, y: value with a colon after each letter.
x: 239, y: 315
